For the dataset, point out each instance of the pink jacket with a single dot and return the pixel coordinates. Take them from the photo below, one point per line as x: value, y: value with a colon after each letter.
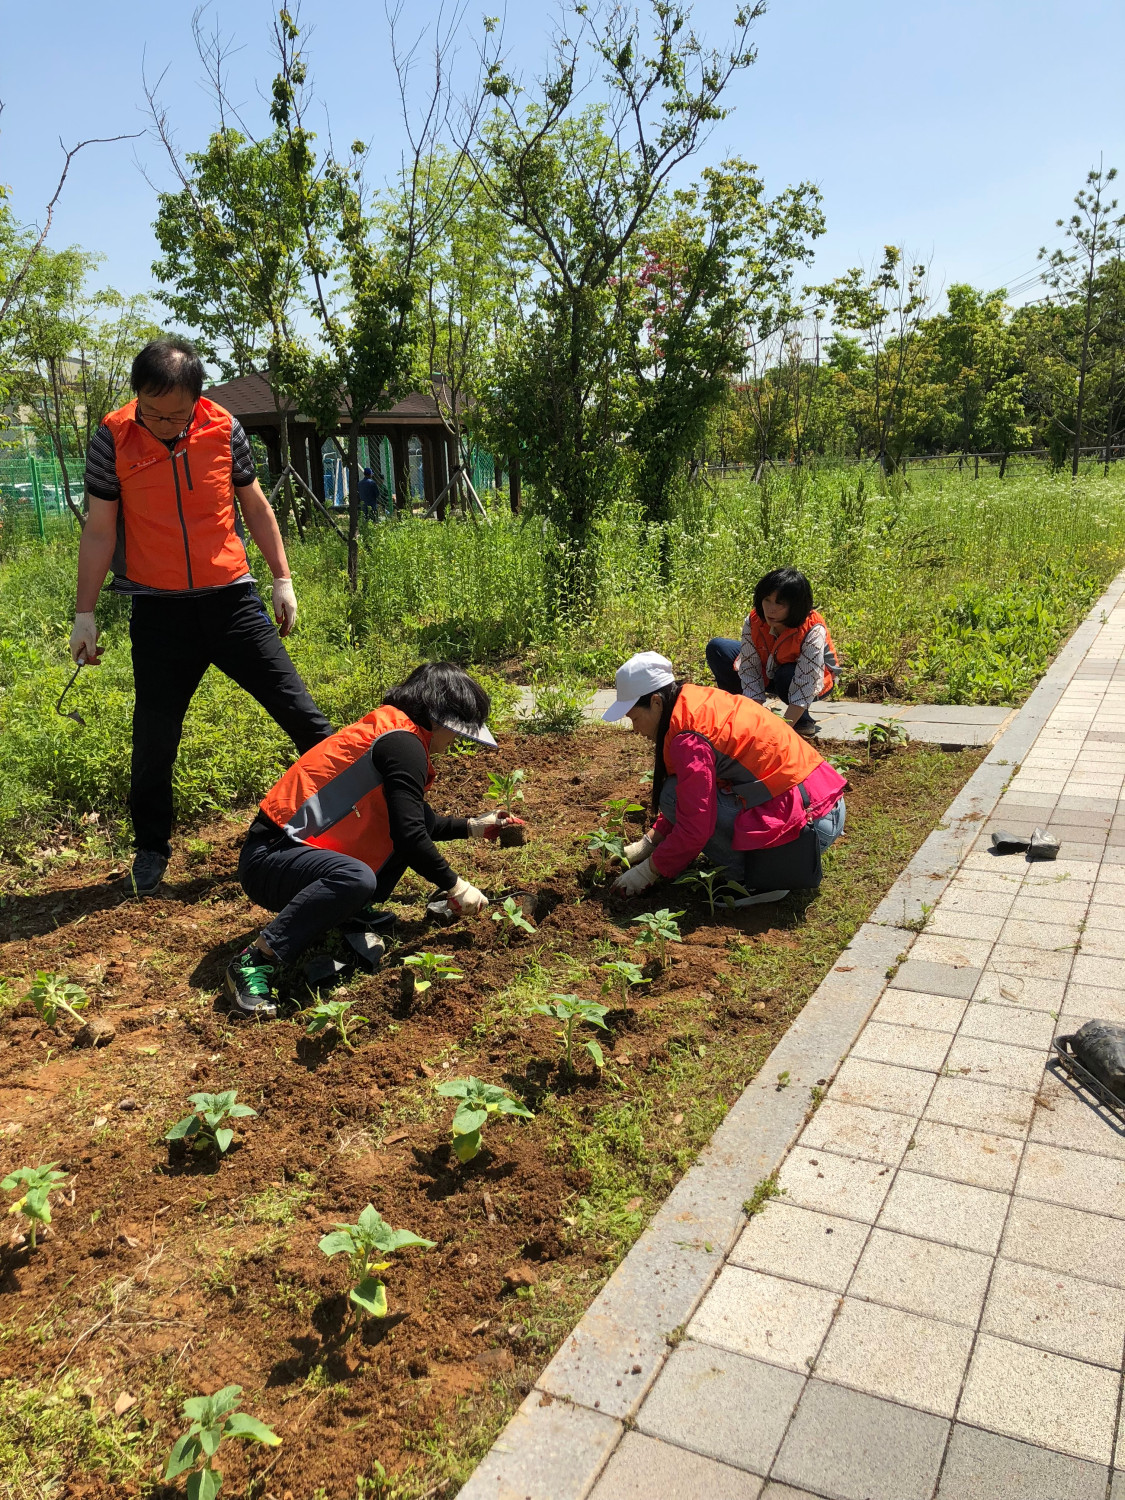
x: 777, y: 821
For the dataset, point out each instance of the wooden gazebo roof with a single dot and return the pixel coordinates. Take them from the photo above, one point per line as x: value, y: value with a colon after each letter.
x: 250, y: 399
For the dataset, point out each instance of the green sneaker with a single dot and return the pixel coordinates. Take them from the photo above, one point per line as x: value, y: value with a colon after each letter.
x: 247, y: 985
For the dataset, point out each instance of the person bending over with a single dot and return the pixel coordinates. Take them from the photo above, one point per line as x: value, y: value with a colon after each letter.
x: 337, y: 832
x: 785, y: 650
x: 730, y: 781
x: 162, y: 477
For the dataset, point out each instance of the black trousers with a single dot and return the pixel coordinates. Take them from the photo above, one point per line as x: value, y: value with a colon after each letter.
x: 311, y: 889
x: 174, y: 642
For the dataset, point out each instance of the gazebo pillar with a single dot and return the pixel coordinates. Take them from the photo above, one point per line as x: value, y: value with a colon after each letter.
x: 401, y: 467
x: 316, y: 465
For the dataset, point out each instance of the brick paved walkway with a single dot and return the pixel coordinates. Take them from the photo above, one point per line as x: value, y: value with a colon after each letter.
x: 934, y: 1306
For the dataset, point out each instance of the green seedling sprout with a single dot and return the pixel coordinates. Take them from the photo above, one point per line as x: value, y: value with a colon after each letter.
x: 511, y: 917
x: 714, y: 884
x: 504, y: 787
x: 332, y: 1013
x: 51, y: 993
x: 371, y: 1235
x: 659, y: 928
x: 213, y: 1419
x: 618, y: 809
x: 622, y: 975
x: 610, y: 846
x: 431, y: 967
x: 883, y: 736
x: 480, y: 1102
x: 572, y: 1011
x: 204, y: 1127
x: 35, y: 1204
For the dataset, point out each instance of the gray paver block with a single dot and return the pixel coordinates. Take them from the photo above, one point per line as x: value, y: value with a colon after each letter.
x: 722, y: 1405
x: 847, y: 1446
x: 787, y: 1492
x: 984, y: 1466
x: 548, y: 1451
x: 1118, y: 1490
x: 643, y: 1468
x: 936, y: 978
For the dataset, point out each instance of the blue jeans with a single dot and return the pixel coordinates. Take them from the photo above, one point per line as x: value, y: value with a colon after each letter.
x: 721, y: 652
x: 719, y: 849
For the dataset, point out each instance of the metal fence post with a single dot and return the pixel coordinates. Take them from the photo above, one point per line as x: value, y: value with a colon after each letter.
x: 37, y: 495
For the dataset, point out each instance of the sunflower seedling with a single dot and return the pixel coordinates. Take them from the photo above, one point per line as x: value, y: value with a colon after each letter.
x: 429, y: 968
x: 511, y: 918
x: 35, y: 1204
x: 332, y: 1014
x: 658, y: 929
x: 480, y: 1102
x: 572, y: 1011
x: 505, y: 787
x: 618, y: 809
x: 610, y: 846
x: 51, y: 993
x: 621, y: 975
x: 370, y: 1236
x: 204, y: 1127
x: 715, y: 885
x: 213, y: 1419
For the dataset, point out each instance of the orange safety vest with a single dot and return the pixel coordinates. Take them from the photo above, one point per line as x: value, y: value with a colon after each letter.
x: 333, y: 796
x: 177, y: 507
x: 786, y: 647
x: 756, y: 753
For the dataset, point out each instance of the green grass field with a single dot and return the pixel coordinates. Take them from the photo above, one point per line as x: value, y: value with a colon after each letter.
x: 946, y: 589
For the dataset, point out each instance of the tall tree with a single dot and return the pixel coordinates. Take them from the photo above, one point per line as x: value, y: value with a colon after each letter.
x: 1094, y: 234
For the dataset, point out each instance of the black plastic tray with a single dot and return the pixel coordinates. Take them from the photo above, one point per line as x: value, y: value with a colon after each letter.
x: 1087, y: 1080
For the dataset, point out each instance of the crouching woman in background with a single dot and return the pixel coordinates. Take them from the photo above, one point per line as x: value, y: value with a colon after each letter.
x: 731, y: 781
x: 336, y: 834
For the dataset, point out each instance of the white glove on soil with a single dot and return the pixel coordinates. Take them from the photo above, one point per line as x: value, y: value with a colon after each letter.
x: 634, y: 853
x: 488, y: 825
x: 284, y: 605
x: 638, y: 879
x: 466, y: 899
x: 84, y: 638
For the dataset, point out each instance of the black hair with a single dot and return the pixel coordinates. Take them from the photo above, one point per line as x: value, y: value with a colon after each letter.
x: 792, y: 588
x: 667, y: 695
x: 166, y: 365
x: 437, y: 692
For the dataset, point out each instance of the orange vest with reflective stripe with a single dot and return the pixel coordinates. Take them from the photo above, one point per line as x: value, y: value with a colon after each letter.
x: 178, y: 506
x: 756, y: 753
x: 333, y: 796
x: 786, y: 647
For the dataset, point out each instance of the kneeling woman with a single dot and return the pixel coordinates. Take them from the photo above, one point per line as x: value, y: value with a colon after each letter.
x: 730, y: 781
x: 344, y: 823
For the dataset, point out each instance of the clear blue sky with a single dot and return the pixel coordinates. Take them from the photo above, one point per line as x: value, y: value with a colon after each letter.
x: 961, y: 128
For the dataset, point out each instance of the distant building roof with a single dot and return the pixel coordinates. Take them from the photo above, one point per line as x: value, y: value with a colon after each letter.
x: 250, y: 399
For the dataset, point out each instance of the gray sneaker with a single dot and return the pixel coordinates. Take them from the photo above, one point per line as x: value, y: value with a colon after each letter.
x: 147, y: 872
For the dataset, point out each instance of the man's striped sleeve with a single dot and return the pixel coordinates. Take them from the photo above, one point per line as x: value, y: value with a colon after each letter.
x: 242, y: 467
x: 101, y: 467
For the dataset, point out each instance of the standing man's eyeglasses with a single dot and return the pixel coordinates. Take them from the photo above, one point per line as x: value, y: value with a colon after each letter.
x: 178, y: 420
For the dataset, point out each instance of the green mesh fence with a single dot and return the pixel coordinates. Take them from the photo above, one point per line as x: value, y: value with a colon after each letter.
x: 32, y: 492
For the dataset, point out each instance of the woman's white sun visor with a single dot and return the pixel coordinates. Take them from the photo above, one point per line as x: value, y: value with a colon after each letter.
x: 480, y: 734
x: 642, y: 674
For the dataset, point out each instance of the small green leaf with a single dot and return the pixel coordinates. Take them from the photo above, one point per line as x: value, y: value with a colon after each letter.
x: 466, y: 1120
x: 241, y: 1426
x: 240, y: 1112
x: 188, y: 1126
x: 596, y: 1053
x: 465, y: 1147
x: 210, y: 1438
x: 205, y: 1485
x: 371, y: 1295
x: 339, y: 1242
x: 184, y: 1455
x: 223, y: 1139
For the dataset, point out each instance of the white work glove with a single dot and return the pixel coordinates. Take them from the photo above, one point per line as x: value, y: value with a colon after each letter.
x: 634, y: 853
x: 488, y: 825
x: 284, y: 605
x: 638, y: 879
x: 84, y: 638
x: 465, y: 899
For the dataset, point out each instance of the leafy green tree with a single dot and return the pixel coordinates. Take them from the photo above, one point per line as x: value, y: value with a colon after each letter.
x: 577, y: 185
x: 1094, y: 234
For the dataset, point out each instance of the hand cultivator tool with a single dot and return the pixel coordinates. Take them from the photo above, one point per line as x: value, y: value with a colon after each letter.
x: 73, y: 714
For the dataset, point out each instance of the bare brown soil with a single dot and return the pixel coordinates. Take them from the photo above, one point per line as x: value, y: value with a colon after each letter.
x: 170, y: 1274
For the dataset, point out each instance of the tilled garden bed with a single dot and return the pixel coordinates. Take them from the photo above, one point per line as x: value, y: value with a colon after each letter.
x: 172, y: 1273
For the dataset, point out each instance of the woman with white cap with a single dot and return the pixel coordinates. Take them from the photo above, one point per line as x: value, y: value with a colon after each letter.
x: 731, y: 781
x: 337, y: 832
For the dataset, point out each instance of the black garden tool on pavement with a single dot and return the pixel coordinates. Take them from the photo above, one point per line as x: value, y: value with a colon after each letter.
x: 1004, y: 842
x: 1094, y: 1056
x: 1043, y: 845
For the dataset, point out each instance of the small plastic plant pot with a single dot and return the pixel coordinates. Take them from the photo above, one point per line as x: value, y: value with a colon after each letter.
x: 513, y: 835
x: 406, y: 982
x: 440, y: 912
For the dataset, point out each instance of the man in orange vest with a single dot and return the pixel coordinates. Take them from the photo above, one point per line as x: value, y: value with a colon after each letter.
x: 162, y: 477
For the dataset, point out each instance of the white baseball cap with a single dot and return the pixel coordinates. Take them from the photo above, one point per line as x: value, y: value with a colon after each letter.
x: 641, y: 674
